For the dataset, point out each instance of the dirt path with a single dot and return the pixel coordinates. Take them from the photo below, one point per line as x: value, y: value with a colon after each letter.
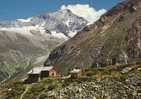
x: 22, y: 95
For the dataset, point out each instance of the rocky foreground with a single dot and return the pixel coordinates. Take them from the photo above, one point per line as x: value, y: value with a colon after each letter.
x: 107, y: 89
x: 112, y: 82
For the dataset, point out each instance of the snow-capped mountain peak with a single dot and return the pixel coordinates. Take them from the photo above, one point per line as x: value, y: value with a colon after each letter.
x: 61, y: 21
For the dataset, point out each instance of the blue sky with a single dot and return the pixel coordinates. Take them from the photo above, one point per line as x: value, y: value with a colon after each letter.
x: 13, y: 9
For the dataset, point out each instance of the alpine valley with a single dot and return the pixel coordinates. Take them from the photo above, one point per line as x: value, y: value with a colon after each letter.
x: 27, y: 42
x: 101, y: 61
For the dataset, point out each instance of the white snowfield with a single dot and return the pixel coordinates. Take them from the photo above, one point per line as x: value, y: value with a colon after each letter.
x: 21, y: 30
x: 58, y: 35
x: 27, y: 30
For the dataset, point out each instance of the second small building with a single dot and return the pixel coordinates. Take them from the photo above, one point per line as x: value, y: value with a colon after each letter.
x: 75, y: 73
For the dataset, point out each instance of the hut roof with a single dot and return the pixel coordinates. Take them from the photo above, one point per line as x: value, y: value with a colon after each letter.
x: 37, y: 70
x: 47, y: 68
x: 75, y: 71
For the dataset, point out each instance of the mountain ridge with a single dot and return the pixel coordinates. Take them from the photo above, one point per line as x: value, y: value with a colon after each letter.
x: 108, y: 41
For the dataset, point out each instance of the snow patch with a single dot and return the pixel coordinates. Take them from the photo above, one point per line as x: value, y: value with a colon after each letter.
x: 26, y: 30
x: 21, y: 30
x: 72, y: 34
x: 58, y: 35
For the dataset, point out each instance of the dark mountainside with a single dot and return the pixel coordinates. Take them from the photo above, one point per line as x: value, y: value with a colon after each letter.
x: 114, y: 39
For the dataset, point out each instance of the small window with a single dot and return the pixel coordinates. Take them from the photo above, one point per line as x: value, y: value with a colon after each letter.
x: 52, y: 74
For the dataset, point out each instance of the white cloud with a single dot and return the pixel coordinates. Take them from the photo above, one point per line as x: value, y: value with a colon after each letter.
x: 85, y: 11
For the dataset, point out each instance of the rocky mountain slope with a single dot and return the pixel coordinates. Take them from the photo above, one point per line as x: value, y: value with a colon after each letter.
x: 25, y: 42
x: 114, y: 39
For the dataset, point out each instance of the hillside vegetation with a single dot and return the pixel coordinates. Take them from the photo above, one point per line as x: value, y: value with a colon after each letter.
x: 113, y: 82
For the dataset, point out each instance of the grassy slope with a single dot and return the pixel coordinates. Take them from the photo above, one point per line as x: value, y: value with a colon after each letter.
x: 16, y: 89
